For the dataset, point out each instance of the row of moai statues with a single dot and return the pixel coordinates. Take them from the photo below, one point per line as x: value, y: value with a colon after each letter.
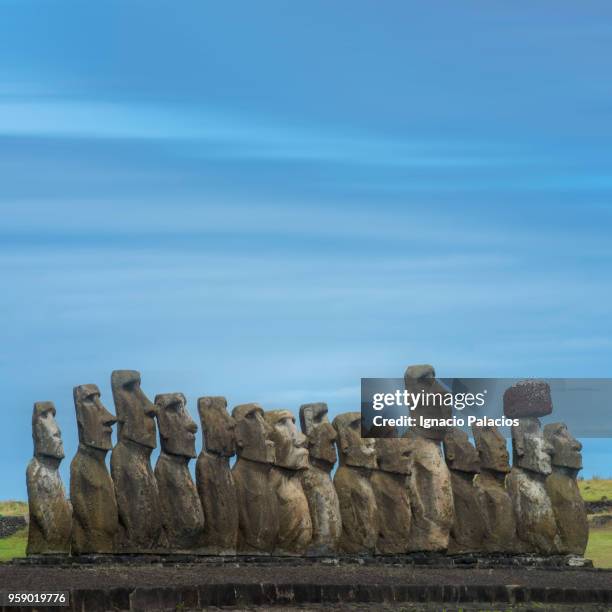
x: 388, y: 495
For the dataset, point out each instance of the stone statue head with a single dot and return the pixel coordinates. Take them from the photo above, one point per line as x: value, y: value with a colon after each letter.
x: 94, y: 421
x: 319, y: 431
x: 566, y: 449
x: 459, y: 452
x: 530, y: 449
x: 422, y: 379
x: 135, y: 412
x: 177, y: 430
x: 491, y: 446
x: 253, y: 434
x: 217, y: 426
x: 289, y: 443
x: 46, y: 432
x: 393, y: 455
x: 354, y: 450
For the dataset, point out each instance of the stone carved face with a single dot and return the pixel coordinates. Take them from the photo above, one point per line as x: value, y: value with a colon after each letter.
x: 566, y: 449
x: 491, y: 446
x: 135, y: 412
x: 177, y: 430
x: 46, y: 432
x: 217, y: 426
x: 354, y: 450
x: 459, y: 452
x: 422, y: 379
x: 530, y: 449
x: 289, y: 443
x: 253, y: 434
x: 393, y: 455
x: 320, y: 432
x: 94, y: 421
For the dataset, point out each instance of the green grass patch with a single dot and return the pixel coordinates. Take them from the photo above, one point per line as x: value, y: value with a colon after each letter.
x: 595, y: 489
x: 13, y: 546
x: 599, y: 548
x: 13, y: 508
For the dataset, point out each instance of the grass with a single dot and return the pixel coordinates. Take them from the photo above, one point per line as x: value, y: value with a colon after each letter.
x: 596, y: 489
x: 599, y: 548
x: 13, y: 546
x: 13, y: 508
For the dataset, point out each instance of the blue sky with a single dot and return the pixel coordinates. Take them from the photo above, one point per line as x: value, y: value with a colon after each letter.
x: 271, y: 200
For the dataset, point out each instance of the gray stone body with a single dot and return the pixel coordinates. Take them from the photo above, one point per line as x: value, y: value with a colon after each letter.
x: 317, y: 484
x: 352, y: 482
x: 50, y: 512
x: 92, y: 493
x: 138, y: 502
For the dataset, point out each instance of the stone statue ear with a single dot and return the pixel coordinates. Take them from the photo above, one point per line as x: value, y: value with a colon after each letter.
x: 239, y: 438
x: 79, y: 426
x: 449, y: 452
x: 519, y: 446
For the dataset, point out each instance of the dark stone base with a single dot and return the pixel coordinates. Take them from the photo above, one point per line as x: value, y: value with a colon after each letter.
x: 410, y: 559
x: 347, y: 583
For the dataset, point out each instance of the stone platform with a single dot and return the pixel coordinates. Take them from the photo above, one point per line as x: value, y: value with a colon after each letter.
x: 179, y: 583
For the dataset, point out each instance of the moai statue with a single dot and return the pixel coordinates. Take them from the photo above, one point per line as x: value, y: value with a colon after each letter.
x: 352, y: 481
x: 491, y: 491
x: 320, y: 492
x: 258, y: 516
x: 290, y: 458
x: 214, y: 478
x: 140, y: 515
x: 469, y: 530
x: 182, y: 514
x: 392, y: 501
x: 535, y: 520
x: 429, y: 484
x: 50, y: 511
x: 92, y: 493
x: 563, y: 491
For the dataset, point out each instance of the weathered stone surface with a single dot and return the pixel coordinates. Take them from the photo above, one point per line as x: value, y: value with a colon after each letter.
x: 140, y: 524
x: 258, y: 515
x: 527, y: 398
x: 468, y: 532
x: 182, y: 514
x: 562, y: 488
x: 494, y: 499
x: 214, y: 478
x: 290, y: 458
x: 429, y: 485
x: 391, y: 493
x: 535, y: 519
x: 318, y: 487
x: 431, y: 497
x: 92, y: 493
x: 530, y: 450
x: 50, y: 511
x: 422, y: 379
x: 352, y: 481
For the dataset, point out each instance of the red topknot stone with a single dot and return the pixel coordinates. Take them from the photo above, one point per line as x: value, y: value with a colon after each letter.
x: 527, y: 398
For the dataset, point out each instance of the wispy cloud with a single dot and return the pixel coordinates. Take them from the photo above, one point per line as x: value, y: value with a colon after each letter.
x: 208, y: 133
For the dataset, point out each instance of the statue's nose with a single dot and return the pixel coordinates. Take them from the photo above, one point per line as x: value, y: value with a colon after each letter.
x: 331, y: 432
x: 109, y: 419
